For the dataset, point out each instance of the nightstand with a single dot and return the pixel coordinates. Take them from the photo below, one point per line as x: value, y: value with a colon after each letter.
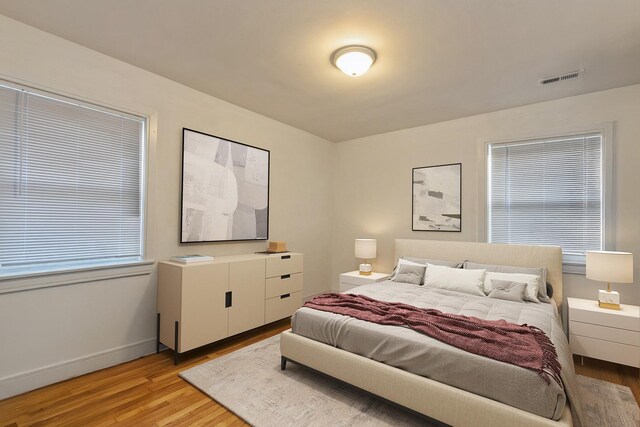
x: 353, y: 278
x: 605, y: 334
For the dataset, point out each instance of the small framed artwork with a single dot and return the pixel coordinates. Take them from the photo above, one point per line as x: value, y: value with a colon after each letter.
x: 225, y: 190
x: 437, y: 198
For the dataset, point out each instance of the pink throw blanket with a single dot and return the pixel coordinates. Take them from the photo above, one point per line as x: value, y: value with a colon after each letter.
x: 520, y: 345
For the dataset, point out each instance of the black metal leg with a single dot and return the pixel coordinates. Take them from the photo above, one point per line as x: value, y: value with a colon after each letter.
x: 283, y: 363
x: 158, y: 334
x: 175, y: 342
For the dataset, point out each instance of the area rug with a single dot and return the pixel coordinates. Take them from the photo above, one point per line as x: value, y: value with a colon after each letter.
x: 250, y: 384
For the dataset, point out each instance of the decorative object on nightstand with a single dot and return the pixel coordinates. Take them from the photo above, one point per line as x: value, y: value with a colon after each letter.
x: 354, y: 279
x: 606, y: 266
x: 366, y: 249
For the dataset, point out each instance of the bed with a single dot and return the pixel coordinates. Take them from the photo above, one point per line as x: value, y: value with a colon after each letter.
x: 443, y: 399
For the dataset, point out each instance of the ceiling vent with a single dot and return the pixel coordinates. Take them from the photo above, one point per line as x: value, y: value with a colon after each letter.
x: 560, y: 78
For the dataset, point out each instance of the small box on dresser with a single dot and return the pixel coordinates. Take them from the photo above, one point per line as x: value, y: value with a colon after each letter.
x: 605, y: 334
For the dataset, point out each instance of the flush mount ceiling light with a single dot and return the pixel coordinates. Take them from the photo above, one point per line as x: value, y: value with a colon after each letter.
x: 353, y: 60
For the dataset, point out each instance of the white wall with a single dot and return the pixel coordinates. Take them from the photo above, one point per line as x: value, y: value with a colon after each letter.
x: 374, y: 195
x: 359, y: 188
x: 53, y: 333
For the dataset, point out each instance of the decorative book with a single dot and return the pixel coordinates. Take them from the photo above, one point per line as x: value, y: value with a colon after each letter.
x: 191, y: 259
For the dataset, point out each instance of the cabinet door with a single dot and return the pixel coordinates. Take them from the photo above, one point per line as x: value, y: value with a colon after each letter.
x: 204, y: 316
x: 247, y: 284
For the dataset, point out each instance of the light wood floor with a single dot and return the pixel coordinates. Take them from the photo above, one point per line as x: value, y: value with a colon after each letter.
x: 148, y: 391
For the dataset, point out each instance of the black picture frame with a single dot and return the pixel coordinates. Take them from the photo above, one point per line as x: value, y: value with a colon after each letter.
x: 436, y: 198
x: 224, y: 190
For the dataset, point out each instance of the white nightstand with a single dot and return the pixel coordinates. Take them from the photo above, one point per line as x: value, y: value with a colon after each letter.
x: 353, y: 278
x: 605, y: 334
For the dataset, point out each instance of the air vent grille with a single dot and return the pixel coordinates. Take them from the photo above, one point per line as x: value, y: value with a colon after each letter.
x: 562, y: 77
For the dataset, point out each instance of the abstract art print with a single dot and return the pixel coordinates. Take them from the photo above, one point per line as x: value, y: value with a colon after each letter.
x: 225, y: 189
x: 437, y: 193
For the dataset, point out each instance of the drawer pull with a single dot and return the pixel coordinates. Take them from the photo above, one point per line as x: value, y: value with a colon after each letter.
x: 227, y: 299
x: 285, y: 276
x: 285, y: 257
x: 285, y: 296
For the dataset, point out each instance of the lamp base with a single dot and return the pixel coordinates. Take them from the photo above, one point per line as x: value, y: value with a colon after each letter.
x: 609, y: 299
x: 609, y: 306
x: 365, y: 269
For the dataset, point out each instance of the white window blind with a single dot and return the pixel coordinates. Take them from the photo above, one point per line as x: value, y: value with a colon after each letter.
x: 70, y: 182
x: 548, y: 192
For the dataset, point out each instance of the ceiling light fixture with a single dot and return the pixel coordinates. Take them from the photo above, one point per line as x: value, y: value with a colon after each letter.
x: 353, y: 60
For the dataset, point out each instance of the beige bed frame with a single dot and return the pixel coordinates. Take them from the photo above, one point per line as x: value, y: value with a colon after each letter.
x: 444, y: 403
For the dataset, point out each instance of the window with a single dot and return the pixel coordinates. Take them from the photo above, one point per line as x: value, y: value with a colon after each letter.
x: 70, y: 183
x: 548, y: 192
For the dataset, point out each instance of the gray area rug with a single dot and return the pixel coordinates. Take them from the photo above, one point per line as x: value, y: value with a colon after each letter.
x: 249, y: 383
x: 607, y: 404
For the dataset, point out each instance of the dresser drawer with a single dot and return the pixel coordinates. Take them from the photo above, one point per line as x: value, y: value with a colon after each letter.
x: 605, y: 333
x: 279, y: 265
x: 282, y: 306
x: 605, y: 350
x: 286, y: 284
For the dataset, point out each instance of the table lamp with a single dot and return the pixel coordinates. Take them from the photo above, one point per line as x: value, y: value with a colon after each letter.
x: 606, y: 266
x: 365, y: 249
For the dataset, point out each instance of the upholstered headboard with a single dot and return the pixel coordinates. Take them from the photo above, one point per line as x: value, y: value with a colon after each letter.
x: 490, y: 253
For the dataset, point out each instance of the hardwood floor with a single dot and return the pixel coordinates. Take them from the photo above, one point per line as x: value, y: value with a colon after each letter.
x: 148, y: 391
x: 143, y: 392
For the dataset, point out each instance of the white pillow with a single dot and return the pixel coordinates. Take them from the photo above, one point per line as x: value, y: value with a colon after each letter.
x: 413, y: 274
x: 405, y: 262
x: 455, y: 279
x: 532, y: 281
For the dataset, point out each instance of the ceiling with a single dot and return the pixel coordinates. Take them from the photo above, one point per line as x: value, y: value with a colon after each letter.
x: 437, y: 59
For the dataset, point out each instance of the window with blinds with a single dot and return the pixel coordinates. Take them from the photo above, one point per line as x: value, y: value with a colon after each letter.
x: 548, y: 192
x: 70, y: 183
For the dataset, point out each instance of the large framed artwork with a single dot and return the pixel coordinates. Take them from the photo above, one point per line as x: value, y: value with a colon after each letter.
x: 437, y: 198
x: 225, y: 190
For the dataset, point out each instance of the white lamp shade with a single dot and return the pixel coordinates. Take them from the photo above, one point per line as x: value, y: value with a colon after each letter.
x: 366, y: 248
x: 605, y: 266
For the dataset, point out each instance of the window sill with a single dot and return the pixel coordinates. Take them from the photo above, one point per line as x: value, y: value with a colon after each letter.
x: 35, y: 280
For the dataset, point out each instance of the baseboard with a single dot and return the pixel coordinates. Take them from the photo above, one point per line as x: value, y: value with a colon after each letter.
x: 40, y: 377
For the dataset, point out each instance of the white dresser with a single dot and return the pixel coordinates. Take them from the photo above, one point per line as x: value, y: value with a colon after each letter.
x: 605, y: 334
x: 205, y: 302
